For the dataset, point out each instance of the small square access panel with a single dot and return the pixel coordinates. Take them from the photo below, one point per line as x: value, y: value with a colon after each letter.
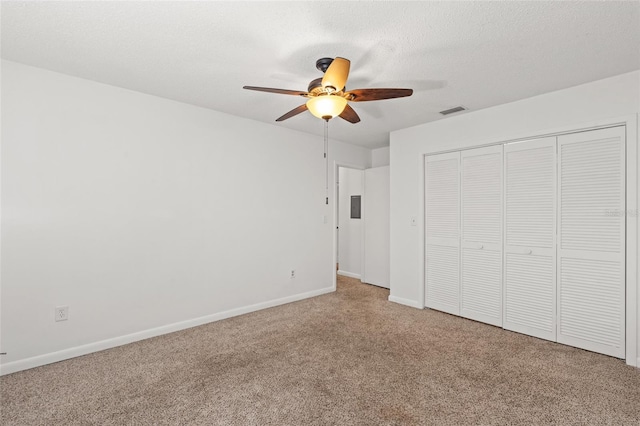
x: 355, y: 207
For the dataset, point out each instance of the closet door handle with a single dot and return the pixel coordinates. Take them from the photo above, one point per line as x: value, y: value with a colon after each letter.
x: 521, y: 251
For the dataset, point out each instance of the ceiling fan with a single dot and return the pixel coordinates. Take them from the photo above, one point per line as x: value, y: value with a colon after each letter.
x: 328, y: 96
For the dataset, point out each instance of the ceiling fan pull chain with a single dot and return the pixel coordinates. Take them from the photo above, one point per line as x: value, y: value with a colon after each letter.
x: 326, y: 160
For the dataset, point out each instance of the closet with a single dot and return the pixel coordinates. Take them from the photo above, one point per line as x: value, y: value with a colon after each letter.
x: 529, y: 236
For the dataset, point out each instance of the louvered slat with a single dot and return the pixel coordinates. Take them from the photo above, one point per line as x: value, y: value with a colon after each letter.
x: 590, y: 186
x: 530, y: 295
x: 442, y: 275
x: 481, y: 285
x: 482, y: 196
x: 591, y: 308
x: 442, y: 198
x: 530, y: 196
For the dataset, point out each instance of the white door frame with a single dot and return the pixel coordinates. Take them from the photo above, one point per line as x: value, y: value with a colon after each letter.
x: 334, y: 259
x: 630, y: 122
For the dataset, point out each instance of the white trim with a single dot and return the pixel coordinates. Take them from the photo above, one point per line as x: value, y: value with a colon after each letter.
x: 37, y: 361
x: 633, y: 305
x: 406, y: 302
x: 334, y: 232
x: 632, y: 122
x: 363, y: 221
x: 422, y: 240
x: 557, y: 131
x: 349, y: 274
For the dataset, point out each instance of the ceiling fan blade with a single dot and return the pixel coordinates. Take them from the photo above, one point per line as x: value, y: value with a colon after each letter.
x: 280, y: 91
x: 337, y: 73
x: 295, y: 111
x: 350, y: 115
x: 362, y: 95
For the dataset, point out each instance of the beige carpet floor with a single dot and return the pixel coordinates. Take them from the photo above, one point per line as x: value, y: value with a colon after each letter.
x: 347, y: 358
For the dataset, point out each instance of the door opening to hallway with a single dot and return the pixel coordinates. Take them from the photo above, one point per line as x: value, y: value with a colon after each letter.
x: 362, y: 224
x: 349, y: 187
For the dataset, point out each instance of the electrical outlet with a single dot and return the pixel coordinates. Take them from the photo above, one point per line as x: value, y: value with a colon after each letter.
x: 62, y: 313
x: 293, y: 273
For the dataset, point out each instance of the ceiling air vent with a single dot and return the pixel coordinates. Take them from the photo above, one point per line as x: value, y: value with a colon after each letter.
x: 453, y: 110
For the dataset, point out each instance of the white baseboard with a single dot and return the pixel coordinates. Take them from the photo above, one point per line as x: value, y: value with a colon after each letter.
x: 403, y: 301
x: 377, y: 284
x: 37, y: 361
x: 630, y: 362
x: 348, y: 274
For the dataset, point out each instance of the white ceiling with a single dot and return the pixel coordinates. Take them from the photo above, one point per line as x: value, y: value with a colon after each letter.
x: 476, y: 54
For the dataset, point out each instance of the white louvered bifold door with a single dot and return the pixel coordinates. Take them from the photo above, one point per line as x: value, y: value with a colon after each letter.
x: 442, y: 227
x: 530, y: 230
x: 481, y: 230
x: 591, y: 240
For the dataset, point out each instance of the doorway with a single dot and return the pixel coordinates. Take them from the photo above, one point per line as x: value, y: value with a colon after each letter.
x: 349, y: 229
x: 361, y: 224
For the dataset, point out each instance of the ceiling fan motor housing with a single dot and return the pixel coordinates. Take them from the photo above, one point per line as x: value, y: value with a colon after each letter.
x: 315, y: 88
x: 315, y: 84
x: 323, y: 63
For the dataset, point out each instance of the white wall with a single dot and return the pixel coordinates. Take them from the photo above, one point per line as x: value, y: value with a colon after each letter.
x: 571, y: 108
x: 350, y: 230
x: 380, y: 157
x: 145, y: 215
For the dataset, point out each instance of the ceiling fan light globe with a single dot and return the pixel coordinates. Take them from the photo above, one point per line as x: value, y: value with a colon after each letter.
x: 326, y: 106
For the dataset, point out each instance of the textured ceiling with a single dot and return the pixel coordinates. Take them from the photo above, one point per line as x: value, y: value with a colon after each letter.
x: 476, y: 54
